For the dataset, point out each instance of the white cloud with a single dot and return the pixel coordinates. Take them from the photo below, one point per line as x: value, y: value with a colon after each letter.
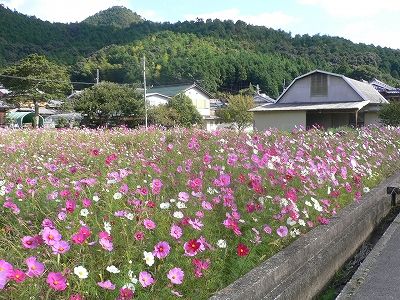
x: 270, y: 19
x: 360, y: 32
x: 62, y: 11
x: 354, y: 8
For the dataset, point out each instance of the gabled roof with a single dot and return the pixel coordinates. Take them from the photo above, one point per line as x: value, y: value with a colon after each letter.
x: 366, y: 91
x: 173, y: 90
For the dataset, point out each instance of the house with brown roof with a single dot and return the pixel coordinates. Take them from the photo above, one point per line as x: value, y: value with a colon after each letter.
x: 323, y: 99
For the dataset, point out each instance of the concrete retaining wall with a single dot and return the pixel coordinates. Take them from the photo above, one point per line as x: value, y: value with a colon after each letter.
x: 301, y: 270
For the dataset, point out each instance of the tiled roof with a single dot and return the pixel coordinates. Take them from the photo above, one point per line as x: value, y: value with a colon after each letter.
x: 169, y: 91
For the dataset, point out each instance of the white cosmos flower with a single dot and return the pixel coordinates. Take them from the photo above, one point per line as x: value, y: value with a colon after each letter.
x: 107, y: 227
x: 117, y: 196
x: 130, y: 286
x: 290, y: 221
x: 113, y: 269
x: 178, y: 215
x: 302, y: 222
x: 129, y: 216
x: 165, y: 205
x: 180, y: 205
x: 366, y: 189
x: 132, y: 277
x: 81, y: 272
x: 221, y: 244
x: 96, y: 198
x: 2, y: 182
x: 148, y: 258
x: 84, y: 212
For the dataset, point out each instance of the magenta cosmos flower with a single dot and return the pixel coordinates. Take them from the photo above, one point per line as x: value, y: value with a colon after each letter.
x: 176, y: 275
x: 29, y: 242
x: 282, y: 231
x: 51, y: 236
x: 149, y: 224
x: 18, y: 276
x: 161, y: 250
x: 60, y: 247
x: 107, y: 285
x: 56, y: 281
x: 145, y: 279
x: 35, y: 268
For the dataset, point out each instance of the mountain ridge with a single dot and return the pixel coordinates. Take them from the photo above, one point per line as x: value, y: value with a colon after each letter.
x: 117, y: 52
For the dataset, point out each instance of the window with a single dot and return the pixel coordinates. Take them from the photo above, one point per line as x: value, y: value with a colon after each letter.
x: 319, y: 85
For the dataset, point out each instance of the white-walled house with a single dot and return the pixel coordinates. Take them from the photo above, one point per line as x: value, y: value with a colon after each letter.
x: 200, y: 98
x: 321, y: 98
x: 155, y: 99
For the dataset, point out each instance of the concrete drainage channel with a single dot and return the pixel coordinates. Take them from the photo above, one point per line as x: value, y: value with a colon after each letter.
x: 343, y: 276
x: 304, y: 268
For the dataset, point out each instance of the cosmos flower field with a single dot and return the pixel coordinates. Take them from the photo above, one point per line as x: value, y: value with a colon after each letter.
x: 158, y: 214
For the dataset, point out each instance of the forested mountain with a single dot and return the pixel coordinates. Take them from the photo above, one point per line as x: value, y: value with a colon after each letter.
x: 117, y: 16
x: 223, y: 55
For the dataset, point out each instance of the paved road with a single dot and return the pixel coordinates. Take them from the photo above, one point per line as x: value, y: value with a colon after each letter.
x: 378, y: 277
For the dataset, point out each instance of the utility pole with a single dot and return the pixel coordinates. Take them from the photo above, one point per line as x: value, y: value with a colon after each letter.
x: 97, y: 76
x: 145, y: 91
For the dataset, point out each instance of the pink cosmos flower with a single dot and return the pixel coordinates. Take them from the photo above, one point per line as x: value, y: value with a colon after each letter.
x: 50, y: 236
x: 161, y: 250
x: 76, y: 297
x: 56, y: 281
x: 176, y: 231
x: 48, y: 223
x: 156, y: 186
x: 29, y: 242
x: 183, y: 196
x: 6, y: 271
x: 139, y: 235
x: 267, y: 229
x: 125, y: 294
x: 35, y: 268
x: 149, y: 224
x: 145, y: 279
x: 106, y: 244
x: 107, y: 285
x: 196, y: 224
x: 18, y: 276
x: 176, y: 275
x: 206, y: 205
x: 60, y: 247
x: 282, y: 231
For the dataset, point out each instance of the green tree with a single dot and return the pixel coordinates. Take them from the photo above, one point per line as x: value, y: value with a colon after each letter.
x: 36, y: 79
x: 108, y: 101
x: 187, y: 113
x: 390, y: 114
x: 164, y: 116
x: 237, y: 112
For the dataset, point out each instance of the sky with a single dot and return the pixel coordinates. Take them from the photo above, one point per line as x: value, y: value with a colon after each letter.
x: 361, y: 21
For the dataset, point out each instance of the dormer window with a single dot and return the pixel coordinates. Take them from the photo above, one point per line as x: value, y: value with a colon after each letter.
x: 319, y: 85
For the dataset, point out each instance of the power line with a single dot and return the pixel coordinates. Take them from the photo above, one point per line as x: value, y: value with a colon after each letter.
x: 46, y: 80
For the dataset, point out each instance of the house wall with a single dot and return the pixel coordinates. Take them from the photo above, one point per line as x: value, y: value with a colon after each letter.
x: 155, y: 100
x: 200, y: 100
x: 371, y: 118
x: 338, y: 91
x: 284, y: 120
